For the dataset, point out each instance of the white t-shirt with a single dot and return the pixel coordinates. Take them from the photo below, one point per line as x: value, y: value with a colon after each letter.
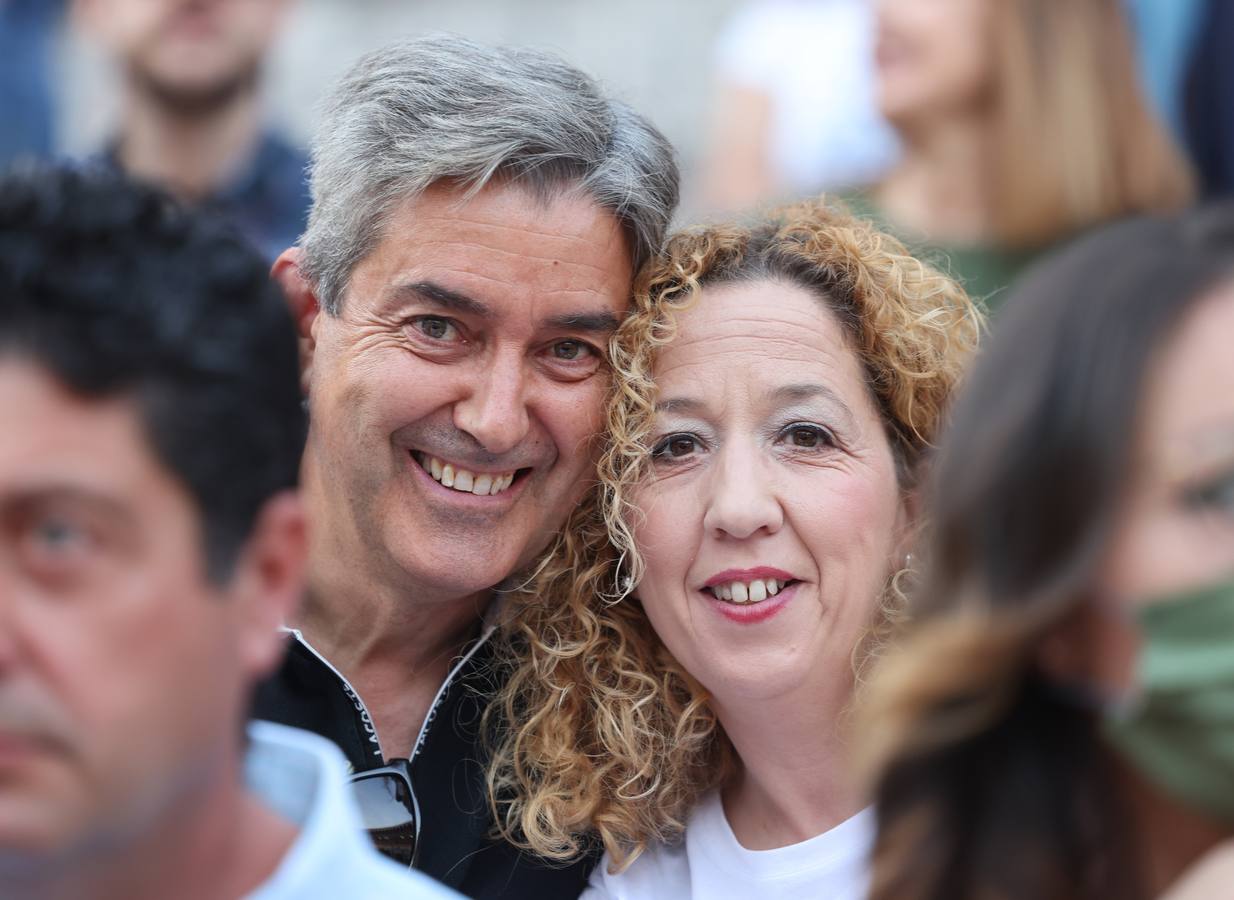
x: 711, y: 864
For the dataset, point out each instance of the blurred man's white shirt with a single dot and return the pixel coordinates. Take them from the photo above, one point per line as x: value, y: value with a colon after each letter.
x: 303, y: 778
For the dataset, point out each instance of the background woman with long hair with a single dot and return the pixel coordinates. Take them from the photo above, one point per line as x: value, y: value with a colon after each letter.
x: 1022, y: 123
x: 1059, y: 721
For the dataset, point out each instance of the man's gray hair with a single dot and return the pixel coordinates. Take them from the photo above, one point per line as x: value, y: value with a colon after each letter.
x: 444, y: 108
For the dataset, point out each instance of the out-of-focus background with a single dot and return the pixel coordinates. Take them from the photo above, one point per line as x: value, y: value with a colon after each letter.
x: 987, y: 129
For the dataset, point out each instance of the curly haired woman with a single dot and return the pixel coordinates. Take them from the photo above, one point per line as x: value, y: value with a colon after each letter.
x: 686, y: 657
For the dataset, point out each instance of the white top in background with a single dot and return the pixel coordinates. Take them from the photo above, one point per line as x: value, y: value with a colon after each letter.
x: 711, y: 864
x: 814, y: 59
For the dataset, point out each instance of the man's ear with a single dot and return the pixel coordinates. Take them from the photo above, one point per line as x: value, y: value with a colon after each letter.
x: 303, y: 303
x: 268, y: 582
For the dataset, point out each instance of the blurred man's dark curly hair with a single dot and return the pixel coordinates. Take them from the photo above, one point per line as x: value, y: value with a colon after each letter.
x: 117, y: 291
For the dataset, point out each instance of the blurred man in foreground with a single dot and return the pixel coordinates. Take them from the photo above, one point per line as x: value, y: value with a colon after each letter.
x: 191, y: 119
x: 151, y: 542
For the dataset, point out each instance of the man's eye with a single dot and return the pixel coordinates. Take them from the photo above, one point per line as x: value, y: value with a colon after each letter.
x: 570, y: 350
x: 436, y: 328
x: 53, y: 543
x: 675, y: 446
x: 58, y: 535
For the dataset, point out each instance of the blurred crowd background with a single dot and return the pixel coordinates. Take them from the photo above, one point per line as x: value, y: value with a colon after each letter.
x: 1071, y: 117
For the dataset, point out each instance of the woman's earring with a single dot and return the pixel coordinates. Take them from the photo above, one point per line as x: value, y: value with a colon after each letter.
x: 626, y: 583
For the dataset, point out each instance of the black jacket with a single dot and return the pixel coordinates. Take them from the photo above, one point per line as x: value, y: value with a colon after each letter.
x: 447, y: 769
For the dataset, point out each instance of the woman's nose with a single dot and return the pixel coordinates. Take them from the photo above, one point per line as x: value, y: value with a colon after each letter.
x: 742, y: 499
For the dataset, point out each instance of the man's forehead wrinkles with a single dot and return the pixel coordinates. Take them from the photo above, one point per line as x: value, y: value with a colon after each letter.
x: 530, y: 256
x: 526, y: 292
x: 463, y: 223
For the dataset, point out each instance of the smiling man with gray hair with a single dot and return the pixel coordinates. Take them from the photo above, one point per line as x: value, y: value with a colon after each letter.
x: 478, y: 215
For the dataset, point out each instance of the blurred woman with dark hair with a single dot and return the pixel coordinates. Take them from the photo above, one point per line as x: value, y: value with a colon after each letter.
x: 1022, y: 123
x: 1060, y: 720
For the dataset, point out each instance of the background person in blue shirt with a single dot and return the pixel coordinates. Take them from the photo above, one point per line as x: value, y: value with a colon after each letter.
x: 191, y: 117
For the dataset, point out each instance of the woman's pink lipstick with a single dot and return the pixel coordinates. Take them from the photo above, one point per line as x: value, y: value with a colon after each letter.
x: 751, y: 613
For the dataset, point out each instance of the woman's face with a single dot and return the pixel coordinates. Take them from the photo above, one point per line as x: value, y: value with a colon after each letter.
x: 771, y: 518
x: 933, y: 58
x: 1177, y: 531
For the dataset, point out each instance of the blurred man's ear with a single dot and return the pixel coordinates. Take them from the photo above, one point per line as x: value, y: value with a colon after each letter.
x: 305, y: 308
x: 268, y: 582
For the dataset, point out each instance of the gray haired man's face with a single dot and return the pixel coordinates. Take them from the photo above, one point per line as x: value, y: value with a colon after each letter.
x: 456, y: 397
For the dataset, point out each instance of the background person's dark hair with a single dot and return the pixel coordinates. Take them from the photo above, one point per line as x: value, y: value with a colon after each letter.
x: 991, y: 783
x: 116, y: 291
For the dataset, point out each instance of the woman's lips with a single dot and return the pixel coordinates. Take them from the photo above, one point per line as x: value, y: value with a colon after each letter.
x: 753, y: 612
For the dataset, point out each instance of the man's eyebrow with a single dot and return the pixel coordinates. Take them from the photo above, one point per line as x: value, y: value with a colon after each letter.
x: 442, y: 297
x: 592, y: 322
x: 32, y: 496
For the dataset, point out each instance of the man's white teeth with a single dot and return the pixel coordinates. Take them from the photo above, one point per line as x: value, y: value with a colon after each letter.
x: 748, y: 591
x: 482, y: 485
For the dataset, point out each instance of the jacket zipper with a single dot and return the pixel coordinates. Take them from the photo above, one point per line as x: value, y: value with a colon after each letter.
x: 445, y: 685
x: 355, y: 697
x: 351, y: 692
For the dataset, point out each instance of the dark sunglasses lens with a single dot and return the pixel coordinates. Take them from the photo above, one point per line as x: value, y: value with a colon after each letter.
x: 389, y: 815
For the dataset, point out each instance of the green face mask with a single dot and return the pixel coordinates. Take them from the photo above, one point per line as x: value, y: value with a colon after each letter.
x: 1179, y: 731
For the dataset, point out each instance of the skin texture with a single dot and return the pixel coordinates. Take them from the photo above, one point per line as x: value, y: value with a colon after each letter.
x: 771, y: 453
x: 124, y: 674
x: 473, y: 332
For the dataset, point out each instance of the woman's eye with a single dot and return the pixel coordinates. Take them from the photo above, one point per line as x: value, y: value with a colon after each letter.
x: 435, y: 327
x: 675, y: 446
x: 807, y: 436
x: 1215, y: 496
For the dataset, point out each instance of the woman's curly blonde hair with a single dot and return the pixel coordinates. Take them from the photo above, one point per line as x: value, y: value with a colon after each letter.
x: 598, y: 732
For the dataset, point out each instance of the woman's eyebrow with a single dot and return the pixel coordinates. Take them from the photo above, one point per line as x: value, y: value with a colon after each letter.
x: 797, y: 393
x: 679, y: 404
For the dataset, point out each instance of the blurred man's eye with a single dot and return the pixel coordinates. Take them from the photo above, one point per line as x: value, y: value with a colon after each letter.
x: 56, y: 544
x: 59, y: 536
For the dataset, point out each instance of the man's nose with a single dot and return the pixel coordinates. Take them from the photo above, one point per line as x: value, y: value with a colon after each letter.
x: 494, y: 408
x: 741, y: 496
